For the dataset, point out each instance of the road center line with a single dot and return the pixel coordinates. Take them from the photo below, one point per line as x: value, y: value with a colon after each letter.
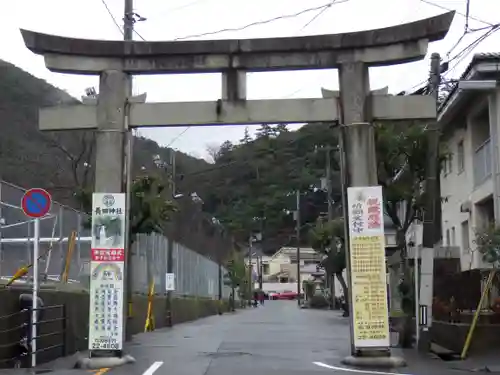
x: 346, y: 369
x: 152, y: 369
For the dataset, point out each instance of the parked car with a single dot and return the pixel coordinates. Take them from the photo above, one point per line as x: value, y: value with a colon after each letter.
x: 287, y: 295
x: 273, y: 295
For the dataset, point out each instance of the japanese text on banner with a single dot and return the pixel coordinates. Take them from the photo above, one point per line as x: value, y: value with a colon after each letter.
x: 107, y: 272
x: 368, y: 269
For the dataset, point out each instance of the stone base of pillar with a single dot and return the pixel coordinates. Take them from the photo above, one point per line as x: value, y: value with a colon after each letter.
x: 374, y: 359
x: 424, y: 342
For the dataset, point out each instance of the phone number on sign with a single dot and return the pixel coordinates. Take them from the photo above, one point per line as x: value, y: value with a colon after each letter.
x: 105, y: 344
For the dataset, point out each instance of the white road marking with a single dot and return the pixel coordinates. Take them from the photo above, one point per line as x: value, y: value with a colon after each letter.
x: 346, y: 369
x: 152, y: 369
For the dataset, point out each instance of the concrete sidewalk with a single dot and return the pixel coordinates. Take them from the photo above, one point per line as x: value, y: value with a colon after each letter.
x: 275, y: 339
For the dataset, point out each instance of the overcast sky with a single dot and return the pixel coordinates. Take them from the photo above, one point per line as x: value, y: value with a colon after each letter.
x: 171, y: 19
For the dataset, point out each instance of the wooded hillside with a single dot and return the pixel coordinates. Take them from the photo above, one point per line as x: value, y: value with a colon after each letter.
x: 56, y: 161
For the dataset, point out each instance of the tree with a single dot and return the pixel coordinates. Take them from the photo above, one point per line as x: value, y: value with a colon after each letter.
x: 253, y: 180
x: 149, y: 207
x: 246, y: 137
x: 328, y: 238
x: 488, y: 244
x: 217, y: 152
x: 401, y: 158
x: 213, y: 151
x: 264, y: 131
x: 236, y: 275
x: 281, y: 128
x: 77, y: 150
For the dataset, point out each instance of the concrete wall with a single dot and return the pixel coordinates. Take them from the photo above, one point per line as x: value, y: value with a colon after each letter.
x: 452, y: 336
x: 77, y: 306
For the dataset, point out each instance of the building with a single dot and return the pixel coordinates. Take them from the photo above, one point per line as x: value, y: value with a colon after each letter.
x: 470, y: 119
x: 279, y: 271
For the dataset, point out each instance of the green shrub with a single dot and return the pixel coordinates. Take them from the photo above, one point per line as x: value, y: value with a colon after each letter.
x: 318, y: 302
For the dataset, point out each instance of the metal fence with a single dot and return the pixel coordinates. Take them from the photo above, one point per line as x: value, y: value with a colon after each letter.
x: 16, y: 252
x: 195, y: 274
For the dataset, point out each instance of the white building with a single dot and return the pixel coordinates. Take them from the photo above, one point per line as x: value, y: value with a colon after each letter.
x: 471, y: 121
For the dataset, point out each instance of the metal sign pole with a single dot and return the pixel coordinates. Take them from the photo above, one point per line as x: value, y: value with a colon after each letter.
x: 36, y: 252
x: 417, y: 294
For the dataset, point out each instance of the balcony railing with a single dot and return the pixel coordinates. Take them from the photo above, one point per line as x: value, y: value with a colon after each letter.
x: 482, y: 163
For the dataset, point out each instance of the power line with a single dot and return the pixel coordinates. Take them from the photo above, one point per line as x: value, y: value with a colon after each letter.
x: 320, y: 13
x: 112, y: 16
x: 460, y: 56
x: 258, y: 23
x: 323, y: 9
x: 139, y: 35
x: 178, y: 136
x: 456, y: 11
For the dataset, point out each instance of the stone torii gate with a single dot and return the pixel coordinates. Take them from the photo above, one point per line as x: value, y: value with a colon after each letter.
x: 351, y: 53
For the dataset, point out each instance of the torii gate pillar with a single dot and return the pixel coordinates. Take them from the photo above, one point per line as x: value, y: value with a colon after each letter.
x: 351, y: 53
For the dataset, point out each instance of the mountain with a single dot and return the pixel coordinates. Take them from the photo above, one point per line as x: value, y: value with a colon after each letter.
x: 251, y: 186
x: 56, y: 161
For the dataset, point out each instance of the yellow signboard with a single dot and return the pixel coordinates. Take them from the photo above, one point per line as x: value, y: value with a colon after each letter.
x: 368, y: 268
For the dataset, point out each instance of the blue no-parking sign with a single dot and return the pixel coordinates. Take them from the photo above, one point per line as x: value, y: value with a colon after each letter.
x: 36, y: 203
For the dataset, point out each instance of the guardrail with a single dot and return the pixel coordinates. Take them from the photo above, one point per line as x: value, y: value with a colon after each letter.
x: 15, y: 336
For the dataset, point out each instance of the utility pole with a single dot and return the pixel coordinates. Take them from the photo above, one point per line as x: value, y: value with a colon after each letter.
x: 297, y: 230
x: 330, y: 278
x: 261, y: 282
x: 170, y: 247
x: 432, y: 219
x: 250, y: 269
x: 128, y: 30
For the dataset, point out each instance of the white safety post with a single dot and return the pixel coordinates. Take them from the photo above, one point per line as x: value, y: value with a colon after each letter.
x: 36, y: 254
x: 417, y: 297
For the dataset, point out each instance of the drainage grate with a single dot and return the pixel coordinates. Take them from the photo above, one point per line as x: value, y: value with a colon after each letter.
x: 224, y: 354
x: 448, y: 357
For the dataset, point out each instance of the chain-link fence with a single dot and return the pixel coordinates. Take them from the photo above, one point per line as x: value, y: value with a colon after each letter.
x: 195, y: 275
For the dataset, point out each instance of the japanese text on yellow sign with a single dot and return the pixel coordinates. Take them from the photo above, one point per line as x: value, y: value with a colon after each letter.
x: 368, y: 272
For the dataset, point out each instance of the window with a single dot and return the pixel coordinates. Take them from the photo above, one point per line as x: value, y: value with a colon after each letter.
x: 460, y: 157
x: 447, y: 166
x: 465, y: 237
x: 265, y: 269
x: 453, y: 239
x: 447, y: 237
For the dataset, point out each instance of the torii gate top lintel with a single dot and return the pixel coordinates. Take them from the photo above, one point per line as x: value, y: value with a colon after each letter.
x: 307, y: 52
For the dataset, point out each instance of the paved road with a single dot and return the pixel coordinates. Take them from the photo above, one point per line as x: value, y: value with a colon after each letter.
x: 276, y: 339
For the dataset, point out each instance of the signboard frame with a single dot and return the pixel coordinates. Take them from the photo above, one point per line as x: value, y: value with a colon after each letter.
x: 107, y: 272
x: 170, y: 282
x: 370, y: 312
